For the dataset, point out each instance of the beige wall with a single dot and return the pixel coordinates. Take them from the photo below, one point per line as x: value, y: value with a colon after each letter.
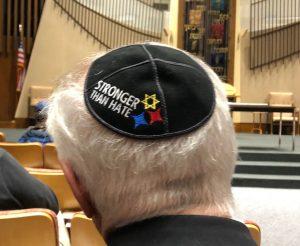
x: 174, y: 23
x: 59, y: 46
x: 254, y: 85
x: 237, y: 58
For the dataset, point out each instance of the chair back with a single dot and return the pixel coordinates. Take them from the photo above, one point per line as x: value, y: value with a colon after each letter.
x: 84, y: 232
x: 50, y: 157
x: 56, y: 180
x: 2, y: 137
x: 27, y: 154
x: 254, y: 231
x: 281, y: 99
x: 39, y: 93
x: 28, y: 227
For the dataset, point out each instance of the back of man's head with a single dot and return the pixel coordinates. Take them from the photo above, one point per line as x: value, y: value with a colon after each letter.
x: 147, y: 130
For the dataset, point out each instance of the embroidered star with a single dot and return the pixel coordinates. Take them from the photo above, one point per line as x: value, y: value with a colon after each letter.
x: 139, y: 120
x: 155, y: 116
x: 150, y: 101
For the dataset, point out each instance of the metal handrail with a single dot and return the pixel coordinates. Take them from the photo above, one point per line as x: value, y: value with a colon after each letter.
x: 88, y: 20
x: 149, y: 5
x: 274, y: 31
x: 278, y: 29
x: 119, y: 23
x: 83, y: 28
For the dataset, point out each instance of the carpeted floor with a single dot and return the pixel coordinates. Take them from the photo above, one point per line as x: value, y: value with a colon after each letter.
x: 266, y: 143
x: 12, y: 135
x: 276, y: 211
x: 263, y: 163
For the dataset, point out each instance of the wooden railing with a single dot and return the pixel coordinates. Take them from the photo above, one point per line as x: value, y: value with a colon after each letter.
x: 110, y: 24
x: 14, y: 13
x: 275, y: 31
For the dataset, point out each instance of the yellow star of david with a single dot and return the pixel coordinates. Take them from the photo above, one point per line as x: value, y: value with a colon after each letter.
x: 153, y: 99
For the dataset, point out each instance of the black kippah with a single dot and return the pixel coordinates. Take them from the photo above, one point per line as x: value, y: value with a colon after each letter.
x: 149, y: 91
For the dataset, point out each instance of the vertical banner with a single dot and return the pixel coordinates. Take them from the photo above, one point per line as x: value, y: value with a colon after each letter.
x: 206, y: 33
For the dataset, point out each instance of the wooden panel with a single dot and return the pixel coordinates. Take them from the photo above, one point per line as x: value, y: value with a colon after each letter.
x: 28, y: 33
x: 7, y: 75
x: 35, y: 16
x: 181, y: 11
x: 22, y: 21
x: 56, y: 180
x: 1, y: 28
x: 84, y: 232
x: 34, y: 227
x: 17, y: 123
x: 7, y: 87
x: 16, y: 12
x: 9, y: 38
x: 16, y: 22
x: 230, y: 74
x: 247, y: 127
x: 27, y: 154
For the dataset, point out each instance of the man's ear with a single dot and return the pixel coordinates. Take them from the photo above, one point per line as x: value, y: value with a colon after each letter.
x: 78, y: 189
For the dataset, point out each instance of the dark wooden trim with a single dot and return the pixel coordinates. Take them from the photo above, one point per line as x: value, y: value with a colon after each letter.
x: 22, y: 122
x: 8, y: 26
x: 7, y: 124
x: 247, y: 127
x: 36, y: 17
x: 16, y: 29
x: 180, y: 32
x: 232, y: 43
x: 252, y: 107
x: 16, y: 123
x: 1, y: 30
x: 28, y: 34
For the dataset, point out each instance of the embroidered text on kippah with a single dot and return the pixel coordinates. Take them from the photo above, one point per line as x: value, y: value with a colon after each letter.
x: 114, y: 98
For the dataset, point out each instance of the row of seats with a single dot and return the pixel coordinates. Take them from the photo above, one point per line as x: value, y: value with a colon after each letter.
x: 83, y: 231
x: 254, y: 231
x: 40, y: 227
x: 42, y: 162
x: 33, y: 155
x: 56, y: 180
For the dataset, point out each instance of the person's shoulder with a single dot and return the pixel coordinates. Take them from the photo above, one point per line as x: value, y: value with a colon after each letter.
x: 4, y: 154
x: 9, y: 164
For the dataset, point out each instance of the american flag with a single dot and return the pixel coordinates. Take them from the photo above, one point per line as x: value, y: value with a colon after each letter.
x: 21, y: 69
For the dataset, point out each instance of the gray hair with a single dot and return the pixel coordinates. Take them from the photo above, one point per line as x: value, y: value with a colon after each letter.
x: 130, y: 180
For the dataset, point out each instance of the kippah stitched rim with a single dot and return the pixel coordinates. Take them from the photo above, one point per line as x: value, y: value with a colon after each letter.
x: 153, y: 136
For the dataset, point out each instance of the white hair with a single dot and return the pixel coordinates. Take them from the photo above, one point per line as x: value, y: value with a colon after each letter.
x: 130, y: 179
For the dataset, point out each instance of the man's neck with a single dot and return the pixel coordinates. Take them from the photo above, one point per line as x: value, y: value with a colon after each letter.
x: 206, y: 212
